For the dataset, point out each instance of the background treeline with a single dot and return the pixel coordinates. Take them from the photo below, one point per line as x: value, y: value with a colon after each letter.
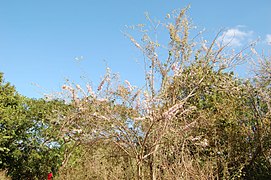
x: 193, y: 118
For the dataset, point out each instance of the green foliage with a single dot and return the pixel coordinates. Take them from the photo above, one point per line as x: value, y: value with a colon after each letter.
x: 29, y: 145
x: 224, y: 116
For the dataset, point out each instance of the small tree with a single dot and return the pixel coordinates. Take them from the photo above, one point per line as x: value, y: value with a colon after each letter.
x: 28, y: 146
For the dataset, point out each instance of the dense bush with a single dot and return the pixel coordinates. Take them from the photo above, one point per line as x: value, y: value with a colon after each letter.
x: 29, y: 146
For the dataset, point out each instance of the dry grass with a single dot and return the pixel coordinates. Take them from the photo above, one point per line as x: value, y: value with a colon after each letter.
x: 3, y: 176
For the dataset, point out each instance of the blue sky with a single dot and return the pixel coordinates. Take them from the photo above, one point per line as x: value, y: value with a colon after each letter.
x: 40, y: 40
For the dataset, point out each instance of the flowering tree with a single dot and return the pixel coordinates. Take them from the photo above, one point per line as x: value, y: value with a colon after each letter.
x: 192, y: 119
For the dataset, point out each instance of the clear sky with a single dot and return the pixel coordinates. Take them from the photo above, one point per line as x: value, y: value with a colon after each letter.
x: 40, y: 40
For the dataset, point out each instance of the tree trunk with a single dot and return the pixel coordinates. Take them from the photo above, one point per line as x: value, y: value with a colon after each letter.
x: 154, y: 169
x: 139, y: 170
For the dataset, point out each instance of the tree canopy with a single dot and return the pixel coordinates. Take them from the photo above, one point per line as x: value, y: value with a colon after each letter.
x: 29, y: 146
